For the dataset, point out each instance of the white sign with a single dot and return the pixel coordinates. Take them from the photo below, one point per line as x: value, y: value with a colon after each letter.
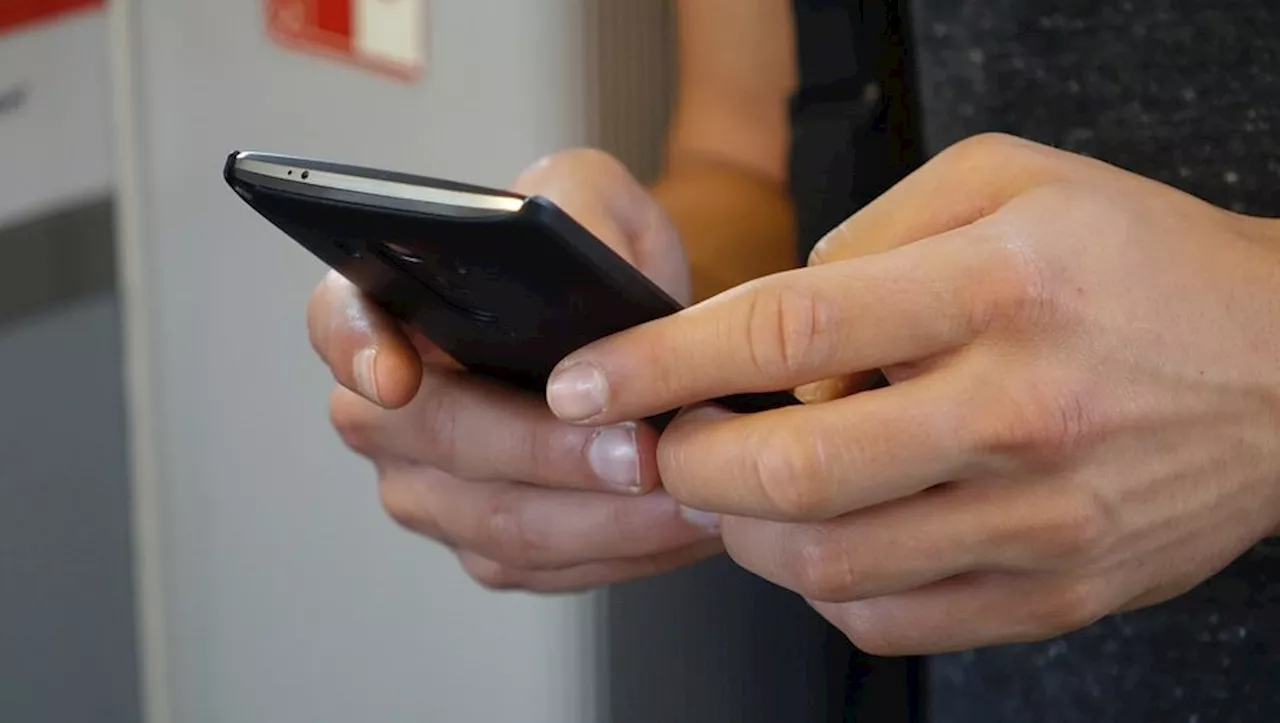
x: 386, y: 36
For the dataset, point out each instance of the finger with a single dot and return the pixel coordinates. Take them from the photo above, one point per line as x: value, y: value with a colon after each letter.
x: 839, y: 387
x: 476, y: 430
x: 497, y: 576
x: 817, y: 462
x: 1007, y: 167
x: 600, y: 193
x: 365, y: 349
x: 558, y: 178
x: 431, y: 355
x: 909, y: 543
x: 781, y: 332
x: 967, y: 612
x: 534, y: 528
x: 963, y: 184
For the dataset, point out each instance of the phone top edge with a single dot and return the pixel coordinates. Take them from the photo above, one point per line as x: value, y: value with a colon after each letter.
x: 334, y: 177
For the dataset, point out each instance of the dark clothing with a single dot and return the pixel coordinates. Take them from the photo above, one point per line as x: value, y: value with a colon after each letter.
x: 854, y: 119
x: 1183, y: 91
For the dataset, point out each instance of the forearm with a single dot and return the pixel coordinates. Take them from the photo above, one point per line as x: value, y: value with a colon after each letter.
x: 736, y: 226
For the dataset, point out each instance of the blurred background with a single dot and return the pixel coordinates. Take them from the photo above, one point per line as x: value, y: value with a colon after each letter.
x: 182, y: 536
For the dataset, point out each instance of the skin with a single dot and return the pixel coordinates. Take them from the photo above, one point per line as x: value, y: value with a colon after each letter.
x: 494, y: 475
x: 1083, y: 415
x: 1084, y: 401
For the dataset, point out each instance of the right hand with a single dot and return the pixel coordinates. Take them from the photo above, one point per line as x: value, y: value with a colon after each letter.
x: 524, y: 500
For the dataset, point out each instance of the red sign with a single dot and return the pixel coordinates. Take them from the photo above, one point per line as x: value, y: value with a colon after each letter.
x: 17, y: 13
x: 386, y: 36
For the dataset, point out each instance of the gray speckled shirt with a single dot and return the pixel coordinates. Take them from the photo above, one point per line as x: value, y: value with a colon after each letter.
x: 1183, y: 91
x: 1186, y: 92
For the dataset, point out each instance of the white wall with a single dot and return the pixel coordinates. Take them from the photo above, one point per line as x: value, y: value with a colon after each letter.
x: 54, y: 147
x: 274, y: 588
x: 66, y: 603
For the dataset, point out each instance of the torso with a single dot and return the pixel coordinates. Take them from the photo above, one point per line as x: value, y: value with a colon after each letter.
x: 1183, y: 91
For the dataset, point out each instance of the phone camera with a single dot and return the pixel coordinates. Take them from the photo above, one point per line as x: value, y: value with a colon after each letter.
x: 449, y: 278
x: 449, y: 274
x: 404, y: 253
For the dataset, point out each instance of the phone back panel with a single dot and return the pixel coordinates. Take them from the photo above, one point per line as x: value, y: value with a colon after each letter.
x: 508, y: 295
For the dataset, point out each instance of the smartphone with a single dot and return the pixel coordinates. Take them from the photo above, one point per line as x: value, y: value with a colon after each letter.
x: 507, y: 285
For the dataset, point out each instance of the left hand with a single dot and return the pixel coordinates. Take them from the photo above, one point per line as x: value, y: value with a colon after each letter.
x: 1084, y: 414
x: 525, y: 501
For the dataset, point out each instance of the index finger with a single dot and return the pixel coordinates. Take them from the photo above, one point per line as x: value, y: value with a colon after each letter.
x: 779, y: 333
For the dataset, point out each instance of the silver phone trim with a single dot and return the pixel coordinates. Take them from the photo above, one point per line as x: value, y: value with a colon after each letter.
x: 442, y: 197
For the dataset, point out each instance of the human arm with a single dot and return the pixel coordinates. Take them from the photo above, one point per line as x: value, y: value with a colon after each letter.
x: 724, y: 180
x: 527, y: 501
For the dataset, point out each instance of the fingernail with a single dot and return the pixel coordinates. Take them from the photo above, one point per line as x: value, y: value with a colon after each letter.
x: 705, y: 413
x: 614, y: 458
x: 366, y: 376
x: 578, y: 393
x: 706, y: 521
x: 810, y: 393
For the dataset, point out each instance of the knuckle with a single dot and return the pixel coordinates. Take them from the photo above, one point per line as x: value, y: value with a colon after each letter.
x: 868, y: 631
x: 839, y: 243
x: 491, y: 575
x: 351, y: 417
x: 684, y: 469
x: 1064, y: 424
x: 984, y: 149
x: 785, y: 475
x: 1016, y: 288
x: 507, y: 533
x: 591, y: 157
x: 874, y: 643
x: 436, y: 417
x: 402, y: 505
x: 1069, y: 607
x: 1076, y: 533
x: 822, y: 566
x: 549, y: 452
x: 572, y: 160
x: 1046, y: 422
x: 675, y: 461
x: 1061, y: 424
x: 788, y: 330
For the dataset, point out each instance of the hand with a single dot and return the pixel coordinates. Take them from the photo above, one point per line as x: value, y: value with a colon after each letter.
x: 1084, y: 414
x: 526, y: 501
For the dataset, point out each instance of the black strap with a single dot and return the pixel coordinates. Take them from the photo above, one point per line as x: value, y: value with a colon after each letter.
x: 854, y: 134
x: 854, y: 118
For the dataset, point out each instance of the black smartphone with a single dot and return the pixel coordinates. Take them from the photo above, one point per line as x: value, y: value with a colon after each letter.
x: 505, y: 284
